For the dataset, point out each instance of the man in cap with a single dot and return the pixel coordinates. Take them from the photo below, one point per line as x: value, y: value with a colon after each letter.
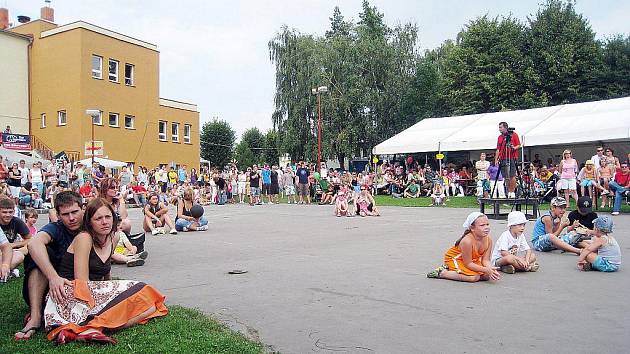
x: 546, y: 234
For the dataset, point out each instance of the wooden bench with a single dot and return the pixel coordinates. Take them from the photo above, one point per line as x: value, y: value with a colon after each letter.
x: 514, y: 203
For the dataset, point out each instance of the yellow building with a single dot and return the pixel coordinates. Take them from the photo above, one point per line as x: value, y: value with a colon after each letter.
x: 80, y: 66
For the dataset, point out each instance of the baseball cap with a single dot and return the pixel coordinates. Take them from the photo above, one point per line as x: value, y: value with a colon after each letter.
x: 516, y: 218
x: 604, y: 223
x: 558, y: 201
x: 585, y: 204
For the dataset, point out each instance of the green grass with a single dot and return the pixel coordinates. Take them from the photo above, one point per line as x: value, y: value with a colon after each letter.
x: 455, y: 202
x: 183, y: 330
x: 464, y: 202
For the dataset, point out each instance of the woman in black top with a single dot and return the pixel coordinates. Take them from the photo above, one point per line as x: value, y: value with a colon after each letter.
x: 15, y: 181
x: 94, y: 302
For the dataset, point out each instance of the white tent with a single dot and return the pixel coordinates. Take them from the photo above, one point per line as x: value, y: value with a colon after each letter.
x: 589, y: 122
x: 104, y: 162
x: 14, y: 156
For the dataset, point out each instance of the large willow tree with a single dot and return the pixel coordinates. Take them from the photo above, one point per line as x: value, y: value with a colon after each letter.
x: 368, y: 68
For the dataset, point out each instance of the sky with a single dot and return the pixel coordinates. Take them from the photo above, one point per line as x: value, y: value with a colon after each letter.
x: 215, y: 54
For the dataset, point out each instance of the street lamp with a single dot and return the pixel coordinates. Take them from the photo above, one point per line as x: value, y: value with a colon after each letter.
x: 318, y: 91
x: 93, y: 113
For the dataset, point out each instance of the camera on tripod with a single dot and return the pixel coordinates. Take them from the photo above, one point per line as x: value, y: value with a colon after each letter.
x: 511, y: 130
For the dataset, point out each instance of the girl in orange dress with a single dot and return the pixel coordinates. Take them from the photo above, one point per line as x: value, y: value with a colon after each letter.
x: 469, y: 259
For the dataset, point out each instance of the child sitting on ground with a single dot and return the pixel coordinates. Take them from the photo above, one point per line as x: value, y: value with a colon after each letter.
x: 341, y: 201
x: 511, y: 251
x: 438, y: 194
x: 126, y: 253
x: 603, y: 252
x: 469, y: 259
x: 546, y: 234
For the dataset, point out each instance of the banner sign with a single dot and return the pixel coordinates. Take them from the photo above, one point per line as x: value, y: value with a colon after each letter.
x: 16, y: 141
x: 98, y: 148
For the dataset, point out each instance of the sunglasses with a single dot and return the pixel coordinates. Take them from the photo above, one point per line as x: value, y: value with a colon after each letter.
x: 600, y: 150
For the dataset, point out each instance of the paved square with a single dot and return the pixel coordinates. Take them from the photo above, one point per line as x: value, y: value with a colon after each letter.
x: 321, y: 284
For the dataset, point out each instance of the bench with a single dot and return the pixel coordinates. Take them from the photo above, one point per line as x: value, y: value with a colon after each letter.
x: 514, y: 203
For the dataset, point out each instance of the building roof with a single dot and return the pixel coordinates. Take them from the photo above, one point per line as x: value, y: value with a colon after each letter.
x: 178, y: 104
x: 598, y: 121
x: 100, y: 30
x: 17, y: 35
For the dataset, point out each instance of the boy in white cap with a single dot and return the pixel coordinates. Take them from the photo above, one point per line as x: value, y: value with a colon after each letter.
x: 603, y: 252
x: 511, y: 251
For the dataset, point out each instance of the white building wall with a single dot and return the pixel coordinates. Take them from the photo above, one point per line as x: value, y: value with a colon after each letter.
x: 14, y: 82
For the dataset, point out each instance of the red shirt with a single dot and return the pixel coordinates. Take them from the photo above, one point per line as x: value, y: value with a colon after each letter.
x: 86, y: 190
x: 139, y: 189
x: 512, y: 153
x: 621, y: 179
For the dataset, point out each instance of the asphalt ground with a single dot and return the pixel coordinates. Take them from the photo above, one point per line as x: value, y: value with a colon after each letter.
x: 316, y: 283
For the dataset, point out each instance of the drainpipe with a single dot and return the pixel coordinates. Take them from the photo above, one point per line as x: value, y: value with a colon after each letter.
x: 28, y: 63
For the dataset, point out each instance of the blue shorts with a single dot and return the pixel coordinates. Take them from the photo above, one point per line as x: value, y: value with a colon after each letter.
x: 586, y: 183
x: 543, y: 243
x: 603, y: 265
x: 255, y: 191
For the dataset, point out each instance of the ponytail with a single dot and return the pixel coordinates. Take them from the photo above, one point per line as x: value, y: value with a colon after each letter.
x: 461, y: 238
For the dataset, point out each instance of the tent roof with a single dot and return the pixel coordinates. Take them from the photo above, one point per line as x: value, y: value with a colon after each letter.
x: 14, y: 156
x: 104, y: 162
x: 571, y: 123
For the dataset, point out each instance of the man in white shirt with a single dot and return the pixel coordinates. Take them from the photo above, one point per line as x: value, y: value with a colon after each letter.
x: 597, y: 157
x: 24, y: 171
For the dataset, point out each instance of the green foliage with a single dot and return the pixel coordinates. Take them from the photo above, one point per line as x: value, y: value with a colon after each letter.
x: 217, y: 142
x: 564, y: 53
x: 249, y: 150
x: 489, y: 70
x: 270, y: 153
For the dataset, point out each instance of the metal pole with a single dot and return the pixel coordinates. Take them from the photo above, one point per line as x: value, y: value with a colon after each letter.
x: 319, y: 133
x: 92, y: 122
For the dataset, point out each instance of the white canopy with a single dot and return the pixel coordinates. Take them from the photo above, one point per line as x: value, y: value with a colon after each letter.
x: 14, y: 156
x: 103, y: 162
x: 606, y: 121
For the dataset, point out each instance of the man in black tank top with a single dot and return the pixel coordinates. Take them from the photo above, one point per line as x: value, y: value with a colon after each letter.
x: 46, y: 249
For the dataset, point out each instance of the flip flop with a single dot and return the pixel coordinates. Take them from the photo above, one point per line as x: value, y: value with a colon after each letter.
x: 237, y: 271
x: 25, y: 332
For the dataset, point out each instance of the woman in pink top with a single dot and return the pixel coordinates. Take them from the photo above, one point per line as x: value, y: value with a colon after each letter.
x: 568, y: 176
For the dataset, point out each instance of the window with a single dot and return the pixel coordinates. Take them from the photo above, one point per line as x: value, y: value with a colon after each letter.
x: 130, y: 121
x: 97, y: 67
x: 62, y: 119
x: 129, y: 74
x: 162, y: 130
x: 113, y: 120
x: 43, y: 115
x: 175, y: 132
x: 98, y: 120
x: 113, y: 70
x: 187, y: 133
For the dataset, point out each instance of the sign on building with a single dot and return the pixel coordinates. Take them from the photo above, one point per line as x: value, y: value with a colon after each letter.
x: 16, y: 141
x: 98, y: 148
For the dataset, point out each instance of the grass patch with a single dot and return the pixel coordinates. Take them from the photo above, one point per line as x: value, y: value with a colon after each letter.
x: 465, y: 202
x: 182, y: 331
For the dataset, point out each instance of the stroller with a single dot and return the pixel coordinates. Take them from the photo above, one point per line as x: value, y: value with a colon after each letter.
x: 550, y: 190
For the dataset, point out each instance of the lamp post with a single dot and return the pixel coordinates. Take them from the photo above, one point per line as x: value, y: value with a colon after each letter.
x: 318, y: 91
x: 93, y: 113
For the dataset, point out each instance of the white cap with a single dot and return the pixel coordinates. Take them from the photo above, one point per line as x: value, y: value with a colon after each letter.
x: 471, y: 219
x: 516, y: 218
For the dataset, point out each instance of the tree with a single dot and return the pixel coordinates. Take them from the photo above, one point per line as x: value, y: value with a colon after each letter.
x: 615, y: 74
x: 564, y: 52
x: 489, y: 69
x: 217, y: 142
x: 249, y: 150
x: 270, y: 153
